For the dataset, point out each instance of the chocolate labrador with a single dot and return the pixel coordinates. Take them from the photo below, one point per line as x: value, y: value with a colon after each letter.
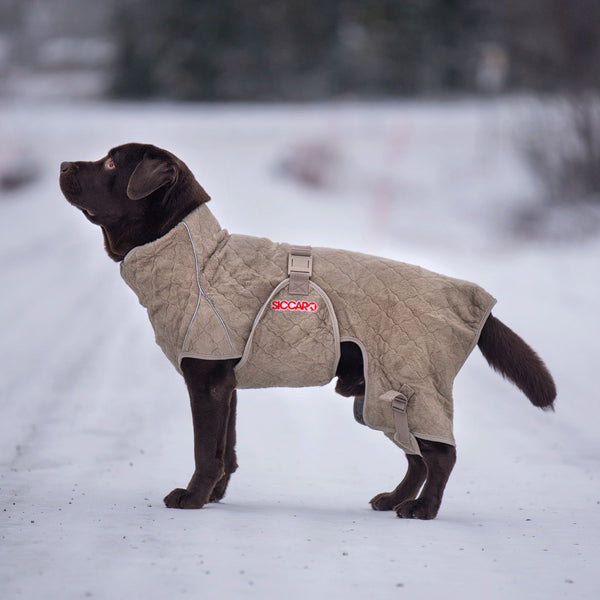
x: 139, y: 193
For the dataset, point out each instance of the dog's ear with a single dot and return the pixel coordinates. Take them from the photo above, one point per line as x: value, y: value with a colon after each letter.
x: 150, y: 175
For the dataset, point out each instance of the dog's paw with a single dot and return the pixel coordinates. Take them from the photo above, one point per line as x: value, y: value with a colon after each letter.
x: 180, y: 498
x: 416, y: 509
x: 384, y: 501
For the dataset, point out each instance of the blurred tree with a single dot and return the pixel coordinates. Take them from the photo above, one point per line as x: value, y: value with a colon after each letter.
x: 561, y: 141
x: 554, y: 44
x: 577, y: 24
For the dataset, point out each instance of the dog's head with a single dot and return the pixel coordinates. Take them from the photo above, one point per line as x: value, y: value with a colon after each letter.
x: 136, y: 193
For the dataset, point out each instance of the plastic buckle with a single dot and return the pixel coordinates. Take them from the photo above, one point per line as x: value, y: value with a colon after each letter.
x: 399, y: 403
x: 300, y: 262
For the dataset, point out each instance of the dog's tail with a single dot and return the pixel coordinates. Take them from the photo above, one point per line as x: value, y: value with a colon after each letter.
x: 508, y: 354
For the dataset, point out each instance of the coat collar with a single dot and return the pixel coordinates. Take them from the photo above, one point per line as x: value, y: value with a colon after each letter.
x: 200, y: 224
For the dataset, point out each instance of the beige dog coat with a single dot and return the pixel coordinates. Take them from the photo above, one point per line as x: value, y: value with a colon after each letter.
x: 213, y: 295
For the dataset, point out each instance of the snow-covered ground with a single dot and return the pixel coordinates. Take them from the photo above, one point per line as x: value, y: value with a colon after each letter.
x: 95, y: 426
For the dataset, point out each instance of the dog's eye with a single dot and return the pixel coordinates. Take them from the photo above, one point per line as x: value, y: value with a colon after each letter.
x: 109, y: 163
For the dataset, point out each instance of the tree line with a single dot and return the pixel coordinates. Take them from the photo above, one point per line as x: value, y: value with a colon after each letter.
x: 319, y: 49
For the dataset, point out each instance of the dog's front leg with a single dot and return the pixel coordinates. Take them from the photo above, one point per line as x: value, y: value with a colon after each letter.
x: 211, y: 385
x: 230, y: 456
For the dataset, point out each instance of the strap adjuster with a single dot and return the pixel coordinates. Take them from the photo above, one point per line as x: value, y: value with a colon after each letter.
x: 299, y: 269
x: 399, y: 400
x: 300, y: 260
x: 399, y: 403
x: 402, y: 398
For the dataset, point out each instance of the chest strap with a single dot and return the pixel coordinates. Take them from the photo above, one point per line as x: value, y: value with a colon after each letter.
x: 299, y: 270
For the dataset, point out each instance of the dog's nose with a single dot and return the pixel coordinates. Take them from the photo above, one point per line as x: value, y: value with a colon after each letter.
x: 65, y: 166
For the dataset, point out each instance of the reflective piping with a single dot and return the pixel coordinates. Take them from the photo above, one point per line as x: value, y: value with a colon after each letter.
x: 200, y: 294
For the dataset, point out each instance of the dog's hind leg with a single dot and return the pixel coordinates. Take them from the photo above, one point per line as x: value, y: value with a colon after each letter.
x: 229, y: 452
x: 407, y: 489
x: 439, y: 460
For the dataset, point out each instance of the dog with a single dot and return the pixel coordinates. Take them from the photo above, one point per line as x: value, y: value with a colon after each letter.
x: 139, y: 195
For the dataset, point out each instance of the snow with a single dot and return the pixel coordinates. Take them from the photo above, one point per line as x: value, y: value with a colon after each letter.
x: 95, y: 425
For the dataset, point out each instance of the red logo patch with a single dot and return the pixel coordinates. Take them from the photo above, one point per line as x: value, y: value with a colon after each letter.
x: 293, y: 305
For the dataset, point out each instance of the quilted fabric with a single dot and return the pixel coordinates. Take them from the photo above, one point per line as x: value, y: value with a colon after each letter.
x: 213, y: 295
